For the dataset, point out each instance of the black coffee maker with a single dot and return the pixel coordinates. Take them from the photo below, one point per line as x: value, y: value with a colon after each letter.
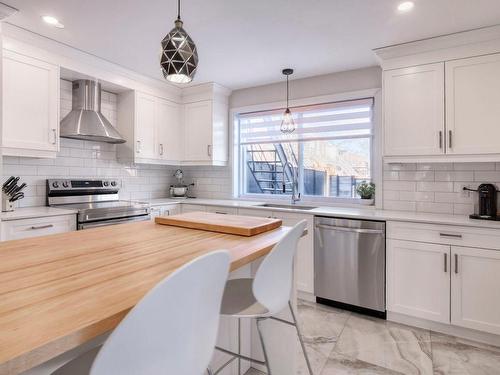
x: 487, y: 194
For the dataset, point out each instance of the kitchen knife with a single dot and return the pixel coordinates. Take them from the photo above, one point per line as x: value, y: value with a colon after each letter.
x: 7, y: 183
x: 10, y: 185
x: 19, y: 188
x: 16, y: 196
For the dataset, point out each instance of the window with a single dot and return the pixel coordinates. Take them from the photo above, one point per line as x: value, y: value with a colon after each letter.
x: 330, y: 149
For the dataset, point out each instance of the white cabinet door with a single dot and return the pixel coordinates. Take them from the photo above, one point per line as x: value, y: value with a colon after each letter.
x: 472, y: 110
x: 27, y: 228
x: 166, y: 210
x: 198, y: 131
x: 418, y: 280
x: 168, y: 125
x: 30, y: 106
x: 145, y: 126
x: 414, y: 110
x: 304, y: 260
x: 475, y: 289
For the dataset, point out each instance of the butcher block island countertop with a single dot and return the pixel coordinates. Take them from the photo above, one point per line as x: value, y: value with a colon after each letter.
x: 60, y: 291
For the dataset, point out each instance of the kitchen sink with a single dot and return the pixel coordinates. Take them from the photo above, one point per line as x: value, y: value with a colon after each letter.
x: 289, y: 206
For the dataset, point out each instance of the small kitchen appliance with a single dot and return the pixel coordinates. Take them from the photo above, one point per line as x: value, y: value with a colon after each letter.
x: 487, y: 202
x: 179, y: 190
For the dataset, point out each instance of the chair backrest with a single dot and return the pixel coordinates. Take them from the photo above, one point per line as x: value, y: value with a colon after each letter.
x: 273, y: 281
x: 173, y: 329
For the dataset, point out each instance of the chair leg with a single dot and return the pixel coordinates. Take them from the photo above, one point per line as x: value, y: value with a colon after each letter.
x: 300, y: 338
x: 266, y: 358
x: 239, y: 346
x: 209, y: 371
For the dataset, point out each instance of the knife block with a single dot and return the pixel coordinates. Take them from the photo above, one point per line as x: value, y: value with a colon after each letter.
x: 7, y: 205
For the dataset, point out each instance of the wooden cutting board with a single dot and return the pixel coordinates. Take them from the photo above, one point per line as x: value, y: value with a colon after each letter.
x: 229, y: 224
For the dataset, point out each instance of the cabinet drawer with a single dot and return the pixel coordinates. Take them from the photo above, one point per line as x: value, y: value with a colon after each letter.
x: 444, y: 234
x: 192, y: 208
x: 222, y: 210
x: 258, y: 213
x: 26, y: 228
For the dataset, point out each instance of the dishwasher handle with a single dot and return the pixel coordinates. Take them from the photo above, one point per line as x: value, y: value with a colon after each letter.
x: 352, y: 230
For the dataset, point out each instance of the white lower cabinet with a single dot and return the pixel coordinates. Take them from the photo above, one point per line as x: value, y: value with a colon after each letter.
x: 222, y: 210
x: 418, y: 279
x: 475, y: 289
x: 192, y: 208
x: 446, y: 283
x: 42, y: 226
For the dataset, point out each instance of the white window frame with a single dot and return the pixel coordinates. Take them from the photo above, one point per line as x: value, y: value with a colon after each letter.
x: 376, y: 149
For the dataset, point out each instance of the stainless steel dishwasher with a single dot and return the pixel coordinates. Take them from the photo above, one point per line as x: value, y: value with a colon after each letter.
x: 349, y: 264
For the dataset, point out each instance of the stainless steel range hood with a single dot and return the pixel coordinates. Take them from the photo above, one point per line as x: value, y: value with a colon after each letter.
x: 85, y: 121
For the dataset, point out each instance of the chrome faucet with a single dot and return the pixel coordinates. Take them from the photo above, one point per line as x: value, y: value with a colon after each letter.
x: 295, y: 182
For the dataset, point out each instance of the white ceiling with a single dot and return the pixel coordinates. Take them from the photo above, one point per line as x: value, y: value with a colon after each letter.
x: 244, y: 43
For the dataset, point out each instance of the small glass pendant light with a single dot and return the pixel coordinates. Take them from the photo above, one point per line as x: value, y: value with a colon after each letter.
x: 287, y: 124
x: 179, y: 57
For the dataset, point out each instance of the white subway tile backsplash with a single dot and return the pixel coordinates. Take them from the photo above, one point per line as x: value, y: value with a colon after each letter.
x: 436, y: 187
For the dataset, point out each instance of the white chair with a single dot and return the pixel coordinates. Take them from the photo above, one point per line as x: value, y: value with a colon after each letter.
x: 265, y: 296
x: 172, y: 330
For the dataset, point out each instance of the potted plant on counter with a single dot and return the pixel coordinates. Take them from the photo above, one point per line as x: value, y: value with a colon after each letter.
x: 366, y: 191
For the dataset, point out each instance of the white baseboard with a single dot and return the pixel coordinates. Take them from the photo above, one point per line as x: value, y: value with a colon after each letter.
x: 466, y: 333
x: 306, y: 296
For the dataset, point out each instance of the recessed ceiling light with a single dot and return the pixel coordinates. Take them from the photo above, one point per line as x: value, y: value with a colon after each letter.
x: 406, y: 6
x: 53, y: 21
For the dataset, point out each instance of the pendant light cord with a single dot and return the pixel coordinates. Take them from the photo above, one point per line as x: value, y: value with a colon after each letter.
x: 286, y: 91
x: 178, y: 9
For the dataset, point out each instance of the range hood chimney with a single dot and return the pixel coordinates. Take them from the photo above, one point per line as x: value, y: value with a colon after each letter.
x: 85, y: 121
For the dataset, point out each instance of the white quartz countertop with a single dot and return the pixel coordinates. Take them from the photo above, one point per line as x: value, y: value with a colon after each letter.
x: 342, y: 212
x: 34, y: 212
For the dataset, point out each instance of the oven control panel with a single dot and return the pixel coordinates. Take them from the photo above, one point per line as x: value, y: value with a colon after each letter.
x: 77, y: 184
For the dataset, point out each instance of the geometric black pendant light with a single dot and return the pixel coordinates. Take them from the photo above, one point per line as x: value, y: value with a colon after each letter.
x: 287, y: 123
x: 179, y: 57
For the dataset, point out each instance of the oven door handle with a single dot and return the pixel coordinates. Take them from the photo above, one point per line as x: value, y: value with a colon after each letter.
x: 113, y: 222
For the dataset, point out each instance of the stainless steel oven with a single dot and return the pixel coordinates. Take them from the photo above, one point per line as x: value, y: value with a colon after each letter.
x: 349, y: 264
x: 97, y: 202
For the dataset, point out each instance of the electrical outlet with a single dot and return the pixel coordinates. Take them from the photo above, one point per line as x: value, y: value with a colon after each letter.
x: 465, y: 193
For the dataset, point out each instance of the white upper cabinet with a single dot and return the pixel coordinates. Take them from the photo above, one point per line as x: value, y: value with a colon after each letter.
x: 206, y: 130
x: 30, y: 106
x: 159, y: 131
x: 169, y: 130
x: 145, y: 126
x: 414, y: 110
x: 151, y: 127
x: 472, y: 105
x: 198, y: 140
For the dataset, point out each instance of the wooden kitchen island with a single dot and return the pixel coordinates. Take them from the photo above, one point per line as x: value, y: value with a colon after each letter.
x: 60, y: 291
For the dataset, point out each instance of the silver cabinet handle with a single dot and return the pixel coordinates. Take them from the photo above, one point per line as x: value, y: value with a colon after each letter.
x: 353, y: 230
x: 138, y: 150
x: 450, y: 235
x: 441, y: 139
x: 209, y: 150
x: 450, y: 137
x: 42, y: 226
x: 161, y: 149
x: 445, y: 262
x: 221, y: 213
x: 456, y: 263
x: 54, y: 133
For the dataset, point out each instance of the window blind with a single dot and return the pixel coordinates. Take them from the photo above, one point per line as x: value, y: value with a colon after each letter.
x: 339, y: 120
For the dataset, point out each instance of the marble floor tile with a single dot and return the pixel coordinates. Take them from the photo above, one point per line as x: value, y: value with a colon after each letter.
x: 321, y: 326
x: 456, y: 356
x: 388, y: 345
x: 253, y: 371
x: 339, y: 364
